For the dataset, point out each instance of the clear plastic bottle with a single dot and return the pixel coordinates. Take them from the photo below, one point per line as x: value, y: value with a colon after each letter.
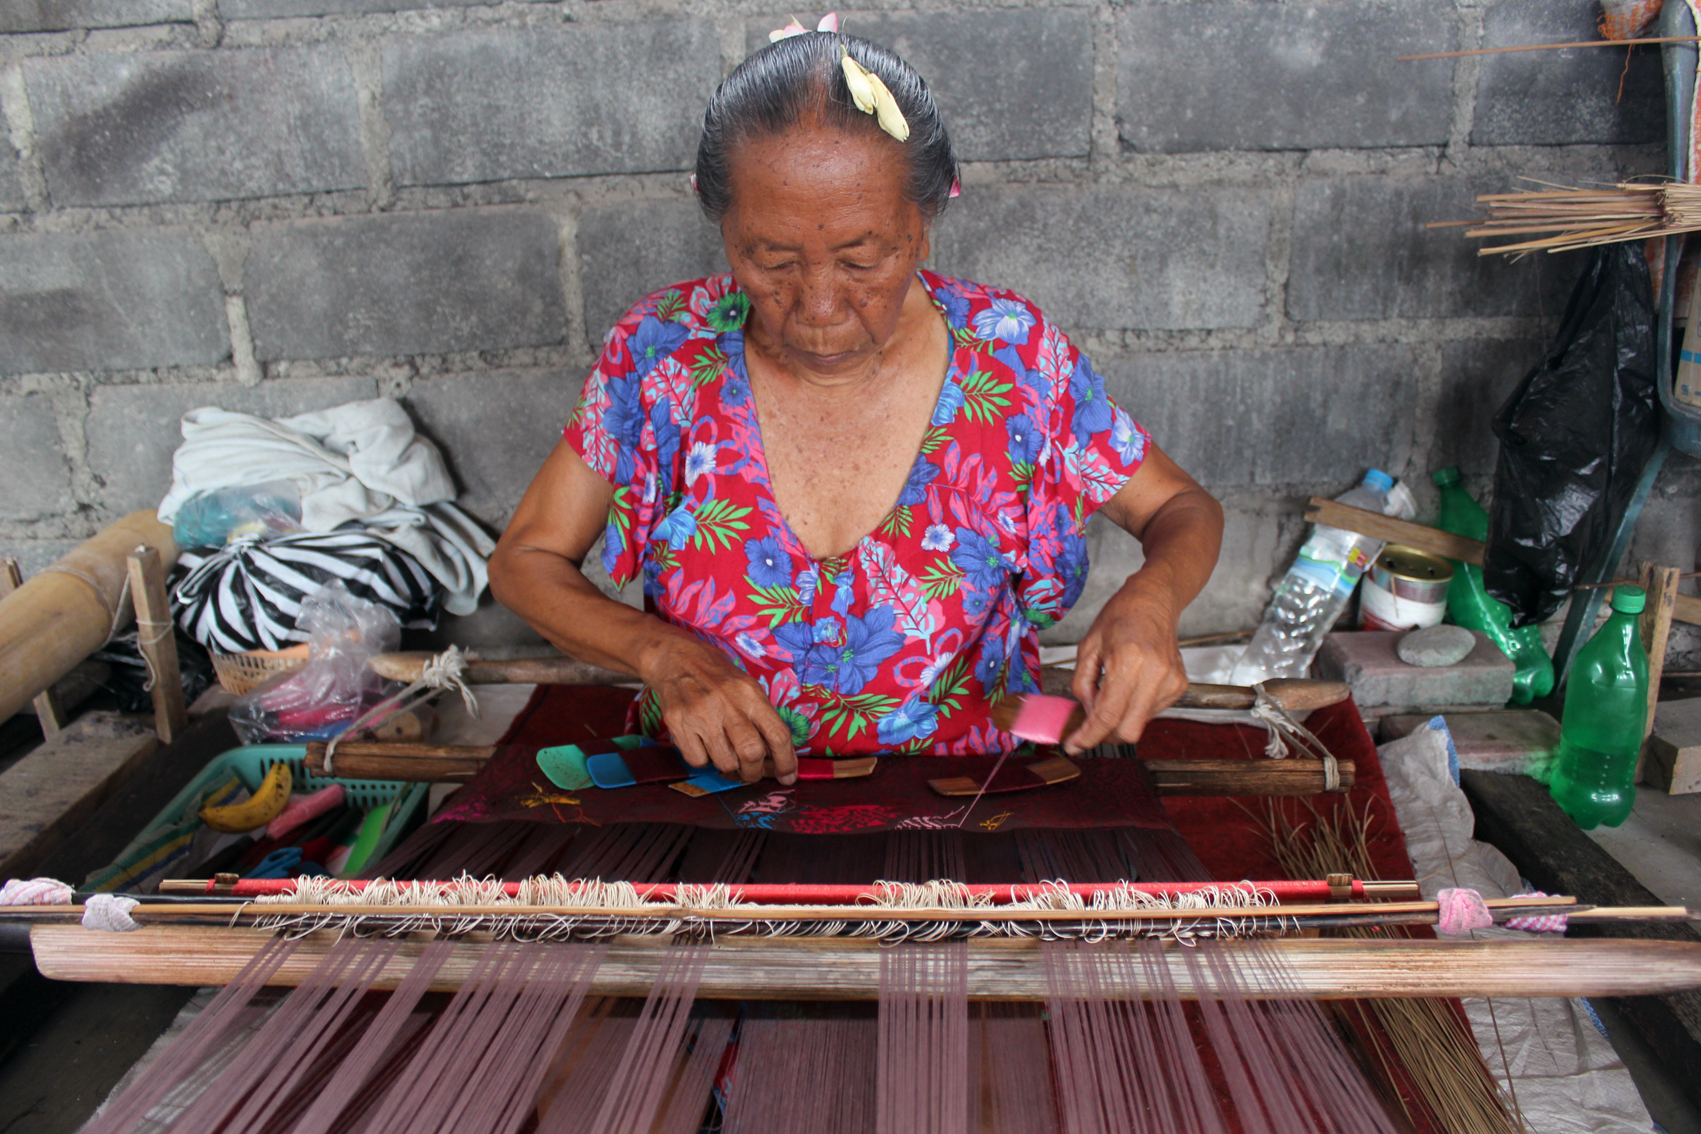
x: 1315, y: 591
x: 1606, y: 707
x: 1470, y: 605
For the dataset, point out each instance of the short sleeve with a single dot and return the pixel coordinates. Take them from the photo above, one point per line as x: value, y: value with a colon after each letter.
x: 624, y: 427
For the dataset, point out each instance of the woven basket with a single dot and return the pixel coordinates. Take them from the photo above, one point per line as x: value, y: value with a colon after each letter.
x: 239, y: 673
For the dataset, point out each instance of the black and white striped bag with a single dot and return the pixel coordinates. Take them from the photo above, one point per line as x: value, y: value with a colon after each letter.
x: 246, y: 595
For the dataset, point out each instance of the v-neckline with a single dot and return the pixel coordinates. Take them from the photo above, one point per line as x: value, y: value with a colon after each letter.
x: 761, y: 455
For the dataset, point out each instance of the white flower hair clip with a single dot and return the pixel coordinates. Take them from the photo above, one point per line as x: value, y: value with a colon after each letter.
x: 829, y: 23
x: 871, y: 96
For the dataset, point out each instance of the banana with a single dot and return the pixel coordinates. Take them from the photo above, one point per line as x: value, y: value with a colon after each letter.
x: 267, y: 802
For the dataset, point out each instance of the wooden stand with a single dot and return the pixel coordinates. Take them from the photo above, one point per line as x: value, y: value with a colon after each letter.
x: 156, y: 638
x: 1660, y: 583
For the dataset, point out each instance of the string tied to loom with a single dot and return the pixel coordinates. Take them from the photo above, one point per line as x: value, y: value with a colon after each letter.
x: 110, y: 912
x: 1537, y: 923
x: 1460, y: 910
x: 441, y: 671
x: 35, y: 892
x: 1287, y: 735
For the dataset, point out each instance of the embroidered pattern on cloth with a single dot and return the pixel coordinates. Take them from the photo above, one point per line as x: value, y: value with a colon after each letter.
x: 900, y: 644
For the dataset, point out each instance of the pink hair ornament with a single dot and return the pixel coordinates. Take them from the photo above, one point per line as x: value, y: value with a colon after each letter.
x: 829, y: 23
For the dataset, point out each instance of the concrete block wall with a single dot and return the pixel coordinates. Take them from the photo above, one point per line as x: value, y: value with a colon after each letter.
x: 280, y: 205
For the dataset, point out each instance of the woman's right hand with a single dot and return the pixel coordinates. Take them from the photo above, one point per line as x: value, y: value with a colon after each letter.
x: 716, y: 713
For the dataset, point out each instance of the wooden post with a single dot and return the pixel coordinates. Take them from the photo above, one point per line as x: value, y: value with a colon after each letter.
x: 1661, y: 585
x: 48, y: 710
x: 155, y: 638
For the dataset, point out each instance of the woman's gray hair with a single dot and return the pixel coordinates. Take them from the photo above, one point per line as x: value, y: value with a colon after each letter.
x: 799, y: 78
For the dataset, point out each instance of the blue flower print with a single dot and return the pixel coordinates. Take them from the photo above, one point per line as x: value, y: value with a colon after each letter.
x: 980, y: 559
x: 975, y: 603
x: 869, y: 640
x: 956, y: 306
x: 1025, y: 440
x: 1035, y: 380
x: 653, y: 341
x: 844, y: 593
x: 735, y: 391
x: 807, y: 580
x: 912, y: 720
x: 735, y: 387
x: 1129, y: 442
x: 796, y: 638
x: 624, y: 420
x: 922, y: 474
x: 770, y: 564
x: 1071, y: 563
x: 1006, y: 319
x: 1092, y: 407
x: 700, y: 461
x: 991, y: 661
x: 951, y: 399
x: 677, y: 527
x: 613, y: 543
x: 667, y: 434
x: 828, y: 631
x: 938, y: 537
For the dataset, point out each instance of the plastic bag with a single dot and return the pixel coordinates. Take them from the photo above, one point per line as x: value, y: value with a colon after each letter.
x: 1574, y: 437
x: 322, y: 699
x: 214, y: 518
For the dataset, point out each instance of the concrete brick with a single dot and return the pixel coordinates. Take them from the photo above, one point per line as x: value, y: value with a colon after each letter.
x: 275, y: 9
x: 62, y: 15
x: 495, y: 428
x: 1360, y: 251
x: 1115, y: 256
x: 1476, y: 380
x: 133, y: 430
x: 631, y: 248
x: 1552, y: 98
x: 11, y: 189
x: 590, y: 98
x: 196, y: 126
x: 405, y: 283
x: 1299, y: 76
x: 108, y: 301
x: 1366, y: 661
x: 34, y: 554
x: 1020, y: 86
x: 38, y: 478
x: 1303, y: 416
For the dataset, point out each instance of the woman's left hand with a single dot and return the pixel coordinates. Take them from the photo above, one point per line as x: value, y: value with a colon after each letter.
x: 1127, y: 667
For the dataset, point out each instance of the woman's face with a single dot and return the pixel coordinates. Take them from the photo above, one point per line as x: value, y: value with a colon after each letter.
x: 823, y: 241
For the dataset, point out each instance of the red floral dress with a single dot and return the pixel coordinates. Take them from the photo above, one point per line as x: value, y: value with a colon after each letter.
x: 901, y: 644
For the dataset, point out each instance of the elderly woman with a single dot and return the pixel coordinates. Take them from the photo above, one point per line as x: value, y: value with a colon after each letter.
x: 855, y: 490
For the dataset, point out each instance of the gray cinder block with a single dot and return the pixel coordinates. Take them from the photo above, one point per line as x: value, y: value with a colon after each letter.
x: 111, y: 300
x: 631, y: 248
x: 1115, y: 256
x: 63, y: 15
x: 38, y: 480
x: 275, y: 9
x: 195, y: 126
x: 497, y: 103
x: 405, y: 283
x: 463, y: 413
x: 1282, y: 76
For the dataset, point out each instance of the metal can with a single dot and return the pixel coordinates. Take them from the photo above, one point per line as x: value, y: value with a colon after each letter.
x: 1405, y: 588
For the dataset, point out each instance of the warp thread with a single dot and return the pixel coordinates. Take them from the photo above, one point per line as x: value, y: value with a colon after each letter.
x: 110, y: 912
x: 35, y: 892
x: 1538, y: 923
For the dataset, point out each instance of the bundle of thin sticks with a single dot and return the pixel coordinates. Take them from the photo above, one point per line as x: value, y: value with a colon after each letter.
x: 1580, y: 218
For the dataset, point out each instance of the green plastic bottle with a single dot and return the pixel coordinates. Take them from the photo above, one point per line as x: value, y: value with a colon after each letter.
x: 1470, y: 605
x: 1606, y: 706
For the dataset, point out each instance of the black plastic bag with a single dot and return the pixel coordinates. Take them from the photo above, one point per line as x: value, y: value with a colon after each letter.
x: 1574, y: 437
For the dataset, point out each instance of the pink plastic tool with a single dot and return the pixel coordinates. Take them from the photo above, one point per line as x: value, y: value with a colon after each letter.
x: 1042, y: 718
x: 301, y: 810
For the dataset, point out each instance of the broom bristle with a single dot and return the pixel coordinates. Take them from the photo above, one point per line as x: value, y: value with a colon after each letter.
x: 1581, y: 218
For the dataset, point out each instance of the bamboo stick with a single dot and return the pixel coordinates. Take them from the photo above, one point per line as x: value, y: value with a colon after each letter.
x: 849, y: 969
x: 67, y: 611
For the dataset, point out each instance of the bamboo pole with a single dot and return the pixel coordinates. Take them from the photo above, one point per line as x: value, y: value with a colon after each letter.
x: 69, y: 610
x: 846, y: 969
x: 48, y: 711
x: 157, y: 643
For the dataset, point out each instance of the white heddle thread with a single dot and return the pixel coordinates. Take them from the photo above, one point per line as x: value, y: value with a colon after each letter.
x: 1285, y: 732
x: 110, y: 912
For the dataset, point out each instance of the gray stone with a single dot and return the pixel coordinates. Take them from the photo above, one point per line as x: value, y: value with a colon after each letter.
x: 1018, y: 85
x: 34, y: 554
x: 1291, y: 76
x: 38, y: 478
x: 629, y: 249
x: 1366, y: 661
x: 1555, y: 98
x: 1476, y: 380
x: 1299, y: 416
x: 405, y: 283
x: 276, y: 9
x: 1433, y: 646
x: 1114, y: 256
x: 108, y: 301
x: 62, y: 15
x: 495, y: 428
x: 11, y: 189
x: 133, y: 430
x: 490, y: 104
x: 196, y: 126
x: 1360, y: 251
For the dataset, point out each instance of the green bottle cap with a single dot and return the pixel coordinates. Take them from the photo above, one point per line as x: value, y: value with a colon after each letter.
x: 1446, y: 477
x: 1629, y: 600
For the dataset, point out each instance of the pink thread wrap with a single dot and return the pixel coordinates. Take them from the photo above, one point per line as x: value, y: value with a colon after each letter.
x: 1461, y: 910
x: 1041, y: 718
x: 35, y: 892
x: 1538, y: 923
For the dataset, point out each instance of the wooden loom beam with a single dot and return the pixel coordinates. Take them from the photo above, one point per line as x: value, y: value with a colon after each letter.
x: 849, y: 969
